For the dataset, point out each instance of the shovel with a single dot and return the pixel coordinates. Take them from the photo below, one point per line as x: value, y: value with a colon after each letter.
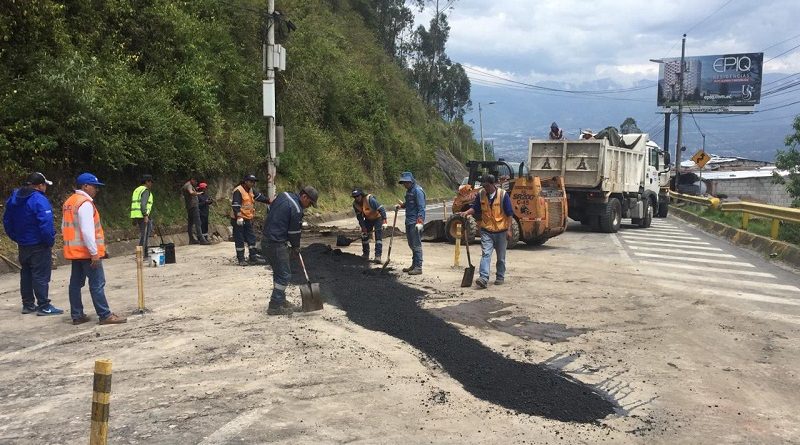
x: 469, y: 272
x: 391, y: 238
x: 309, y: 292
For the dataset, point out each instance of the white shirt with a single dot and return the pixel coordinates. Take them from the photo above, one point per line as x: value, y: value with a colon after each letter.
x: 86, y: 223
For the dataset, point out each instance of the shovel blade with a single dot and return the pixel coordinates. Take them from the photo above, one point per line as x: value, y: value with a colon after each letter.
x: 311, y: 297
x: 469, y: 274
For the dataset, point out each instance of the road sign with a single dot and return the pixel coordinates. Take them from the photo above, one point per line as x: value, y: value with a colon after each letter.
x: 701, y: 158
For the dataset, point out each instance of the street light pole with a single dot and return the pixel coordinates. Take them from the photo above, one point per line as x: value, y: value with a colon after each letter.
x: 680, y: 110
x: 480, y: 120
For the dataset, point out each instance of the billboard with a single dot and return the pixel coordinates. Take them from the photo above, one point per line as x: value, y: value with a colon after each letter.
x: 712, y: 83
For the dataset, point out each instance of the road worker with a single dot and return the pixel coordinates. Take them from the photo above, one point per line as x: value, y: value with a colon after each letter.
x: 190, y: 195
x: 556, y: 134
x: 493, y: 211
x: 141, y: 206
x: 204, y: 202
x: 243, y: 210
x: 371, y: 215
x: 282, y: 230
x: 414, y: 205
x: 84, y: 244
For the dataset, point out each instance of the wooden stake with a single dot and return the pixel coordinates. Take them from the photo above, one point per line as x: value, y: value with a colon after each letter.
x: 457, y: 252
x: 140, y: 276
x: 101, y: 398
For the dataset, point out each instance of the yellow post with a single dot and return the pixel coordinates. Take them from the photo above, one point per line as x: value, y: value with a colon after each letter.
x: 776, y: 227
x: 745, y: 220
x: 457, y: 252
x: 140, y: 276
x: 444, y: 210
x: 101, y: 398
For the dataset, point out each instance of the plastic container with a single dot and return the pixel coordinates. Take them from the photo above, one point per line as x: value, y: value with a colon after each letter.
x: 157, y: 257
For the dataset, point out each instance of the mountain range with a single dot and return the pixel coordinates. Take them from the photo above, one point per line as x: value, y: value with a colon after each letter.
x: 520, y: 113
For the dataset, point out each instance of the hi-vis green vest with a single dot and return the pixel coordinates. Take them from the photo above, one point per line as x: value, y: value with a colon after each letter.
x: 136, y: 202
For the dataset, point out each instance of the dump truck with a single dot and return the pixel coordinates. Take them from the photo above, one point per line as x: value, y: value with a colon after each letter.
x: 604, y: 182
x: 540, y: 204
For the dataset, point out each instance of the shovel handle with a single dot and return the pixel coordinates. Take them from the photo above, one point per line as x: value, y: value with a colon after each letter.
x: 303, y: 265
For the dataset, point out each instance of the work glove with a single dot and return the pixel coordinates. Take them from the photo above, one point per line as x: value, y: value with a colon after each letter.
x: 419, y: 226
x: 385, y: 222
x: 239, y: 221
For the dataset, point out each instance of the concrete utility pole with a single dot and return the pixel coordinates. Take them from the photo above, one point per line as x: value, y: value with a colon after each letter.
x: 480, y: 120
x: 269, y: 72
x: 680, y: 111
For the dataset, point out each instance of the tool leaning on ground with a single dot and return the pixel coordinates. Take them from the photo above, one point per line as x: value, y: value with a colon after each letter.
x: 391, y: 238
x: 309, y: 294
x: 469, y: 272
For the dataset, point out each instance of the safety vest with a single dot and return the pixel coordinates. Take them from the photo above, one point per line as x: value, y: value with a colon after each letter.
x: 367, y: 211
x: 74, y: 247
x: 248, y: 209
x: 136, y: 200
x: 493, y: 218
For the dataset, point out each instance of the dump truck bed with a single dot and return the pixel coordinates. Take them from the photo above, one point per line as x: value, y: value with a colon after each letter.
x: 591, y: 164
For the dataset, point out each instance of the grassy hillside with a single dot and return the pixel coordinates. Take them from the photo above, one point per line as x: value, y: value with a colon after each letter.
x: 171, y: 88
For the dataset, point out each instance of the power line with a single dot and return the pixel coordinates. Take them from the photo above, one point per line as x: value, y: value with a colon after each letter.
x: 783, y: 53
x: 539, y: 87
x: 549, y: 91
x: 782, y: 41
x: 708, y: 17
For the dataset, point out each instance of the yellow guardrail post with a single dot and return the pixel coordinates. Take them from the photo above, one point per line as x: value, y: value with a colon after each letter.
x: 776, y: 227
x: 101, y: 398
x: 457, y: 252
x: 745, y: 220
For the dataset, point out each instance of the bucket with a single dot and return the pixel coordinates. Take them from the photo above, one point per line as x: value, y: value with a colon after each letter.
x: 157, y: 257
x: 169, y: 253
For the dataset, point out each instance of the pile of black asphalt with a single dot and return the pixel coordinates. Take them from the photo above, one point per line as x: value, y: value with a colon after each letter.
x: 379, y: 302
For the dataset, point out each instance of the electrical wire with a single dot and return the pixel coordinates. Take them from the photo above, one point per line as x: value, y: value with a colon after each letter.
x: 539, y: 87
x: 783, y: 53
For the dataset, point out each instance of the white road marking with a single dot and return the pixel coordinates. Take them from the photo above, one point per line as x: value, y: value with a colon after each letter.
x: 658, y: 238
x: 730, y: 294
x: 622, y: 251
x: 688, y: 247
x: 709, y: 277
x: 683, y: 252
x: 694, y: 260
x: 699, y: 269
x: 236, y: 426
x: 666, y: 231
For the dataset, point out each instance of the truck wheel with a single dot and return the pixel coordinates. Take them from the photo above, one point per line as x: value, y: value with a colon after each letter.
x: 611, y: 217
x: 648, y: 217
x: 663, y: 209
x: 512, y: 243
x: 450, y: 228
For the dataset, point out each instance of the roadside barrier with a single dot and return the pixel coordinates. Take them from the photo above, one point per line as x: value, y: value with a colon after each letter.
x: 101, y: 398
x: 775, y: 213
x: 140, y: 276
x: 457, y: 251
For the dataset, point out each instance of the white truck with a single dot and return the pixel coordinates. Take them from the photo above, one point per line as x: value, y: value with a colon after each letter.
x: 606, y: 183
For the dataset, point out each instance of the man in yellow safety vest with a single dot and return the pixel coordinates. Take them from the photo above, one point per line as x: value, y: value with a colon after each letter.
x: 141, y: 206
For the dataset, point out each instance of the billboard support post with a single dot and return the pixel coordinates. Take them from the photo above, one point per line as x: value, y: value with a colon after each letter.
x: 667, y: 119
x: 680, y: 111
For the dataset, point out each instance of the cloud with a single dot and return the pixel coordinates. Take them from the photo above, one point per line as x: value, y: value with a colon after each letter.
x: 579, y: 40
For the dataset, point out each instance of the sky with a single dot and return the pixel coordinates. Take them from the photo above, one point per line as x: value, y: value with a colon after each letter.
x: 575, y: 41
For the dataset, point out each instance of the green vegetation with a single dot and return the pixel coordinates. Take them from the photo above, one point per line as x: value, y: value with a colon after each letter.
x: 788, y: 232
x: 790, y: 160
x: 173, y: 87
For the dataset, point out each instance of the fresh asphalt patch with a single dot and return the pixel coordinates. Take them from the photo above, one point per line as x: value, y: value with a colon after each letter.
x: 381, y: 303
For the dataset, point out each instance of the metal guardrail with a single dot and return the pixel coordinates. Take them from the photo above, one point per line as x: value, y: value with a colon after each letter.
x: 775, y: 213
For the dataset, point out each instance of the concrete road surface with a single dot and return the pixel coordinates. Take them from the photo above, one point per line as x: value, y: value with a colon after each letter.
x: 687, y: 338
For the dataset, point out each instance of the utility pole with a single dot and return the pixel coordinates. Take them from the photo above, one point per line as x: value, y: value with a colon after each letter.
x: 269, y: 75
x: 480, y: 120
x: 679, y: 143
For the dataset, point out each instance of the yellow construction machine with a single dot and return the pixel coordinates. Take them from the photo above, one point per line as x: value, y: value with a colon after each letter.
x: 540, y: 204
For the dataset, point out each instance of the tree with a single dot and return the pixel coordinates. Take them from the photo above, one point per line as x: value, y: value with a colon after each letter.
x: 629, y: 126
x: 790, y: 160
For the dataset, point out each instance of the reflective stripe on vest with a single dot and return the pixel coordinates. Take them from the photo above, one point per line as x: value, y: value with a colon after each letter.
x: 74, y: 247
x: 493, y: 218
x: 136, y: 202
x: 248, y: 209
x: 367, y: 211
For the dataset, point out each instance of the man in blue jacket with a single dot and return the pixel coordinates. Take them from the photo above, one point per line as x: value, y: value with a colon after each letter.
x: 282, y: 229
x: 415, y: 218
x: 371, y: 216
x: 28, y: 221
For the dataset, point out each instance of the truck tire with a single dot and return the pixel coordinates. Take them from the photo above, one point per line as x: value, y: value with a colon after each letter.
x: 515, y: 233
x: 647, y: 221
x: 450, y: 228
x: 663, y: 208
x: 611, y: 218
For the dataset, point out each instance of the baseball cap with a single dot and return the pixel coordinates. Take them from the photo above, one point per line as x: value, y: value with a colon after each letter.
x: 356, y: 192
x: 250, y: 178
x: 146, y: 178
x: 37, y: 178
x: 202, y: 185
x: 88, y: 178
x: 312, y: 193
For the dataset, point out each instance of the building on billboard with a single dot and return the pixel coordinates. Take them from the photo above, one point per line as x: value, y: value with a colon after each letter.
x: 715, y: 84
